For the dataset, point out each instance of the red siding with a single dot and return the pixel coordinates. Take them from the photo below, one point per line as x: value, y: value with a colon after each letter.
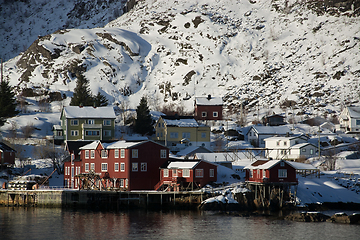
x: 272, y: 174
x: 209, y: 109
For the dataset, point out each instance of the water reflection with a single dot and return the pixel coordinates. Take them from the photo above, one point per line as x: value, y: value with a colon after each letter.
x: 44, y: 223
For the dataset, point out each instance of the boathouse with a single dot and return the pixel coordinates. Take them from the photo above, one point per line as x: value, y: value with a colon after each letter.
x: 118, y: 165
x: 179, y: 175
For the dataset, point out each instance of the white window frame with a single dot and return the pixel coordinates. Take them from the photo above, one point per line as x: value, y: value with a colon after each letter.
x: 122, y: 153
x: 74, y: 122
x: 107, y: 133
x: 104, y: 153
x: 122, y: 167
x: 212, y: 172
x: 203, y: 114
x: 92, y: 166
x: 86, y: 167
x: 104, y: 167
x: 90, y: 121
x: 143, y: 167
x: 87, y: 155
x: 107, y: 122
x: 282, y: 173
x: 134, y: 153
x: 122, y: 182
x: 186, y: 135
x: 166, y: 172
x: 116, y: 153
x: 92, y: 154
x: 186, y: 172
x: 215, y: 114
x: 116, y: 167
x: 74, y: 133
x: 174, y: 173
x: 163, y: 153
x: 135, y: 167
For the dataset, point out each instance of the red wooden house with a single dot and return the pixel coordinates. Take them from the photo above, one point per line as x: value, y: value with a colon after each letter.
x: 121, y: 164
x: 178, y: 175
x: 272, y: 171
x: 208, y: 108
x: 7, y: 155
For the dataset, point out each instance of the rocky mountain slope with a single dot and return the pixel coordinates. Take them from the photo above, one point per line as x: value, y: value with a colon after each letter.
x: 262, y: 54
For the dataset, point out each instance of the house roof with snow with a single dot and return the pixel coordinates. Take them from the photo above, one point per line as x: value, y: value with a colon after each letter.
x: 180, y: 121
x: 221, y: 157
x: 5, y: 148
x: 88, y: 112
x: 301, y: 145
x: 354, y: 111
x: 281, y: 138
x: 191, y: 150
x: 209, y: 101
x: 271, y: 130
x: 261, y: 164
x: 182, y: 165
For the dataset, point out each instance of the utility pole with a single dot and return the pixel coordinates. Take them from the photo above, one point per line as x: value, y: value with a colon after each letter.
x: 319, y: 131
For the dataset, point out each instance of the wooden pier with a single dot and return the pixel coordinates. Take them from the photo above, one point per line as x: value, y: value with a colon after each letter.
x: 101, y: 199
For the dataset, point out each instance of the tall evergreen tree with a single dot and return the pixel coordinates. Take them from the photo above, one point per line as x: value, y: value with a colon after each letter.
x: 82, y: 94
x: 7, y: 102
x: 100, y: 100
x: 143, y: 121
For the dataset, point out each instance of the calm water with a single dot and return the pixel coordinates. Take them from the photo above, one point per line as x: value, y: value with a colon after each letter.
x: 45, y: 223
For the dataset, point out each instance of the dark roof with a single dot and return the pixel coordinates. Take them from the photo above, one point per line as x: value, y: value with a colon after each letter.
x: 73, y: 146
x: 5, y: 148
x: 259, y: 162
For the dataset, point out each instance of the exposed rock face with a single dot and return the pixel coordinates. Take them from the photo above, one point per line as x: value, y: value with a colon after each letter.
x: 307, y: 217
x: 344, y: 218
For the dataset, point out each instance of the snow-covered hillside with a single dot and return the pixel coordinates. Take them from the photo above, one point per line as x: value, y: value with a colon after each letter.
x: 22, y: 21
x: 259, y: 53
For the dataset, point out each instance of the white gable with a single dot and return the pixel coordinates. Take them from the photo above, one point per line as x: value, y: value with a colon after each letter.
x: 183, y: 165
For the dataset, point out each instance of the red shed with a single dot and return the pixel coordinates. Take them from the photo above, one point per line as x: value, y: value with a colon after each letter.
x: 186, y: 174
x: 7, y: 155
x: 121, y: 164
x: 208, y: 108
x: 272, y: 171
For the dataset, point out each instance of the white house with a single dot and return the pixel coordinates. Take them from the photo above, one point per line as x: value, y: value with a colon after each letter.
x: 257, y: 134
x: 349, y: 120
x: 292, y: 147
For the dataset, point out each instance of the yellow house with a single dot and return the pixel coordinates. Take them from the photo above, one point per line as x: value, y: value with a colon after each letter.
x: 175, y: 130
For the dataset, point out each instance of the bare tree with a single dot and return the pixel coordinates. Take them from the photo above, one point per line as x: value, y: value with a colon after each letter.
x: 330, y: 159
x: 55, y: 155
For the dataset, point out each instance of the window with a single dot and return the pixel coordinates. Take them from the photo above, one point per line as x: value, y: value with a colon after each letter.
x: 116, y: 167
x: 303, y: 150
x: 163, y: 153
x: 74, y: 133
x: 282, y: 164
x: 74, y: 122
x: 122, y: 153
x: 284, y: 143
x: 174, y: 134
x: 104, y: 167
x: 311, y: 151
x: 186, y: 135
x: 86, y: 153
x: 86, y: 167
x: 134, y: 167
x: 126, y: 182
x: 250, y: 134
x: 203, y: 135
x: 90, y: 121
x: 107, y: 133
x: 92, y: 153
x: 215, y: 114
x: 122, y: 183
x: 264, y: 173
x: 203, y: 114
x: 116, y: 153
x: 282, y: 173
x: 199, y: 173
x: 252, y: 173
x: 92, y: 133
x: 122, y: 167
x: 212, y: 173
x: 143, y: 167
x: 104, y: 153
x: 186, y: 172
x: 92, y: 166
x: 135, y: 153
x: 107, y: 122
x: 278, y: 143
x: 174, y: 173
x: 72, y: 172
x: 357, y: 121
x: 166, y: 172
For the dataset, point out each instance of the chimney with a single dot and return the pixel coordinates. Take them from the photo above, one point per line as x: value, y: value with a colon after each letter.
x: 209, y: 97
x: 81, y: 105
